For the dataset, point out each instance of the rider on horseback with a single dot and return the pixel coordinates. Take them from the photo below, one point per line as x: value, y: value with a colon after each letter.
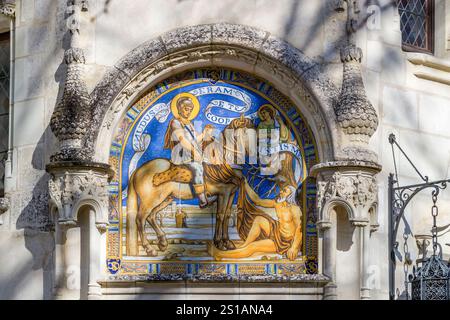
x: 185, y: 143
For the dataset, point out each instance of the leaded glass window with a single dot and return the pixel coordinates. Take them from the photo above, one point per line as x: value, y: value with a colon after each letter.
x: 4, y: 103
x: 416, y: 23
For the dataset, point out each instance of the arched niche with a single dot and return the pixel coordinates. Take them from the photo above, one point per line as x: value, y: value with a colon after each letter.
x: 219, y: 46
x: 220, y: 97
x: 238, y: 47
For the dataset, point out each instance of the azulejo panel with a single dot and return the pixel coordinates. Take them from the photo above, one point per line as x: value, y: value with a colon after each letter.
x: 211, y: 178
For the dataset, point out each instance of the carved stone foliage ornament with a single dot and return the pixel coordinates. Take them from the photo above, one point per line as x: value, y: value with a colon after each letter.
x: 72, y: 188
x: 8, y: 8
x: 354, y: 189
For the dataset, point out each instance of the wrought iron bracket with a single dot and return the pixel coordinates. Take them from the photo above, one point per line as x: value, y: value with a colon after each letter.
x: 398, y: 199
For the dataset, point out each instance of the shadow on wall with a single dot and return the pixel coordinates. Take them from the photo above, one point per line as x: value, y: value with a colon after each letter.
x: 35, y: 219
x: 37, y: 224
x: 344, y: 230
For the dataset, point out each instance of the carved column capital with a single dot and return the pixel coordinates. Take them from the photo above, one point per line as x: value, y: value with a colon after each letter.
x: 360, y: 224
x: 323, y: 225
x: 73, y: 185
x: 347, y: 184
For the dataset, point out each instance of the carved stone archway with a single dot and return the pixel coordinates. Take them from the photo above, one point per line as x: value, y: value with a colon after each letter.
x: 338, y: 119
x: 220, y: 45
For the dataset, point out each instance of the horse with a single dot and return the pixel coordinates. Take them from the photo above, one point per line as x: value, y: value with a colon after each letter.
x: 152, y: 187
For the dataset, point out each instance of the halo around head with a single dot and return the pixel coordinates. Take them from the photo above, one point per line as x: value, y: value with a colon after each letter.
x: 196, y: 103
x: 267, y: 106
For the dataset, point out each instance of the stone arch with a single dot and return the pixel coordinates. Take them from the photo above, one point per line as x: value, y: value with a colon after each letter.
x: 334, y: 204
x: 100, y: 212
x: 222, y: 45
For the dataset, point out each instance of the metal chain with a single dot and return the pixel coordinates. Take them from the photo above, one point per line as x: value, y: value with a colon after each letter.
x: 434, y: 214
x: 406, y: 262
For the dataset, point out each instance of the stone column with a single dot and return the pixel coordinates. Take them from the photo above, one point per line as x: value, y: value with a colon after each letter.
x: 75, y: 186
x: 94, y: 290
x: 8, y: 9
x: 328, y: 258
x: 60, y: 264
x: 365, y: 238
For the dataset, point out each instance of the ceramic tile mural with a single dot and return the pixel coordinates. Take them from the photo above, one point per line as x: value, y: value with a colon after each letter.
x: 211, y: 176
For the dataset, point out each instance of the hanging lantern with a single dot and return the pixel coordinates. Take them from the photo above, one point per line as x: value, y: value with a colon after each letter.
x: 432, y: 280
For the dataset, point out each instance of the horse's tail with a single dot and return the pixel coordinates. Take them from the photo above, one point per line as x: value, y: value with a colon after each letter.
x: 132, y: 211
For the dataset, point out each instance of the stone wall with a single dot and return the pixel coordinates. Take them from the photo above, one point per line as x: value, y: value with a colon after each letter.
x: 398, y: 84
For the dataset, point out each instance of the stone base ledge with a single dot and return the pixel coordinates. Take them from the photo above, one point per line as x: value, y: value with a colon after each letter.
x: 300, y: 287
x: 218, y: 279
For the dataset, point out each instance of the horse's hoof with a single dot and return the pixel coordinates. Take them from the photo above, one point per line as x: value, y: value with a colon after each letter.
x: 221, y: 245
x: 230, y: 245
x: 150, y: 251
x: 163, y: 244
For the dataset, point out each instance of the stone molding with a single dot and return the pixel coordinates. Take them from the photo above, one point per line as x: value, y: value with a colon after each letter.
x: 318, y: 279
x: 212, y: 45
x: 73, y: 185
x: 430, y: 68
x: 352, y: 186
x: 8, y: 8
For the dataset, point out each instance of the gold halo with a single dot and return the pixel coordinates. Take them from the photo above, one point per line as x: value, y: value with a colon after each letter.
x: 174, y: 109
x: 268, y: 106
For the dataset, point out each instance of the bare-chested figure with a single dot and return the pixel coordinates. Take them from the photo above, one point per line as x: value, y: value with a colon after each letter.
x: 267, y: 235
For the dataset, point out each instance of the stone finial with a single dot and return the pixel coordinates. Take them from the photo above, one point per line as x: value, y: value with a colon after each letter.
x: 71, y: 117
x: 354, y: 112
x: 8, y: 8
